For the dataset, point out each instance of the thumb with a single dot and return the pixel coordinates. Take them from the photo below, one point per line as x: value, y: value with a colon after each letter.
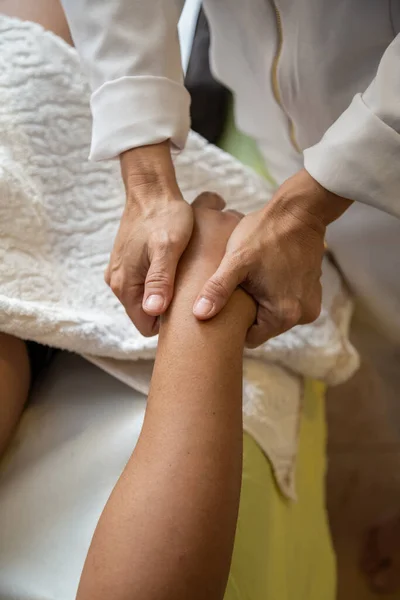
x: 159, y: 285
x: 217, y: 290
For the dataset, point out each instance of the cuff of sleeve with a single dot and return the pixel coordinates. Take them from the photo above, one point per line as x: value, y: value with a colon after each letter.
x: 358, y: 158
x: 138, y: 111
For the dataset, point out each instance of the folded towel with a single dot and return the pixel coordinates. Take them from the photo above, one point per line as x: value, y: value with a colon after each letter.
x: 59, y: 215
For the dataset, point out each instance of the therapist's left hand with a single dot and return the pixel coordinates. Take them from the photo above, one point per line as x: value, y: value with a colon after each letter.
x: 275, y: 254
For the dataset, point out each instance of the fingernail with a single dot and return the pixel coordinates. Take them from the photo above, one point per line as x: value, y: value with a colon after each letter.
x: 155, y: 303
x: 203, y: 307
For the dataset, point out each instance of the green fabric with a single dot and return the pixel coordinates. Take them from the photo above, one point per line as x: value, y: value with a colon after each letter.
x: 243, y: 148
x: 283, y: 549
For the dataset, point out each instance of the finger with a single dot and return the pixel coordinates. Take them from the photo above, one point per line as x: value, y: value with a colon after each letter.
x: 236, y: 213
x: 145, y: 324
x: 209, y: 200
x: 272, y: 320
x: 159, y: 285
x: 218, y: 289
x: 262, y: 331
x: 130, y: 296
x: 107, y: 275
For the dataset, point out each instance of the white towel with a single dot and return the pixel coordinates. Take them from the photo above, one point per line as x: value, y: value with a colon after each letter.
x: 59, y: 215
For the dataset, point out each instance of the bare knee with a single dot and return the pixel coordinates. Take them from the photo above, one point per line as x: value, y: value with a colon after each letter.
x: 48, y: 13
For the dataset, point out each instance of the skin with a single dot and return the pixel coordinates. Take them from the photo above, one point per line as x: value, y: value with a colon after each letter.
x: 167, y: 531
x: 48, y: 13
x: 275, y: 254
x: 272, y: 261
x: 14, y: 385
x: 154, y: 232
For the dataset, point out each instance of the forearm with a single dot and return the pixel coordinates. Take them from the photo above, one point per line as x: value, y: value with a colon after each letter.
x: 168, y: 529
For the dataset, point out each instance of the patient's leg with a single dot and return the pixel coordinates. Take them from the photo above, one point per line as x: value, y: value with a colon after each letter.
x: 48, y: 13
x: 14, y: 384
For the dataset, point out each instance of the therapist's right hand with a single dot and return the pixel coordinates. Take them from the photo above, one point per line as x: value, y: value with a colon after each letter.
x: 155, y: 229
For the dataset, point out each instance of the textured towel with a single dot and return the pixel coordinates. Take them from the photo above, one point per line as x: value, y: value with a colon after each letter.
x: 59, y: 215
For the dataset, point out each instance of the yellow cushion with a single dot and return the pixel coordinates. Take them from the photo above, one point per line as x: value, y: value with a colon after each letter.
x: 283, y: 549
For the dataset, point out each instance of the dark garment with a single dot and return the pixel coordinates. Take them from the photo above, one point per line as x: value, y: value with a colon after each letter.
x: 210, y: 99
x: 39, y: 358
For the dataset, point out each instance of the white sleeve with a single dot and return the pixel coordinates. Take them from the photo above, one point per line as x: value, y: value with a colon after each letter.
x: 130, y: 52
x: 359, y: 156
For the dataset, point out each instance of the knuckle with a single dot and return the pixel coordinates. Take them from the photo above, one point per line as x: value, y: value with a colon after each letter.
x: 276, y: 317
x: 116, y: 283
x: 158, y: 278
x: 242, y: 257
x: 312, y: 312
x: 165, y: 243
x: 288, y: 314
x: 164, y: 246
x: 217, y: 287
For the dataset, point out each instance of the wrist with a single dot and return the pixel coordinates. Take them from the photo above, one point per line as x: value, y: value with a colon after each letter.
x: 244, y: 305
x: 304, y: 198
x: 231, y: 324
x: 148, y: 173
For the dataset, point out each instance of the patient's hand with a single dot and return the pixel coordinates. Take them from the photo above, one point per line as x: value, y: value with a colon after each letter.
x: 212, y: 229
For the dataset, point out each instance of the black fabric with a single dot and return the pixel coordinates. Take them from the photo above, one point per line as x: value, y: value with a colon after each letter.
x: 39, y: 358
x: 210, y: 99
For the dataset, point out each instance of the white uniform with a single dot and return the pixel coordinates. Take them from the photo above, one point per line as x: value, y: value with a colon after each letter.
x: 316, y: 82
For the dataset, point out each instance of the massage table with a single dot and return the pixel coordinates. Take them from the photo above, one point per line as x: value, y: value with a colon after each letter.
x: 73, y: 441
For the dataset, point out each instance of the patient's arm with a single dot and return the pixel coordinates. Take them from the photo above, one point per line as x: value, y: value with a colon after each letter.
x: 167, y: 531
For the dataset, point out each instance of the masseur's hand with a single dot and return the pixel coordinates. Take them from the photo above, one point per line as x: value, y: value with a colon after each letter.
x: 212, y: 228
x: 155, y: 229
x: 275, y: 254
